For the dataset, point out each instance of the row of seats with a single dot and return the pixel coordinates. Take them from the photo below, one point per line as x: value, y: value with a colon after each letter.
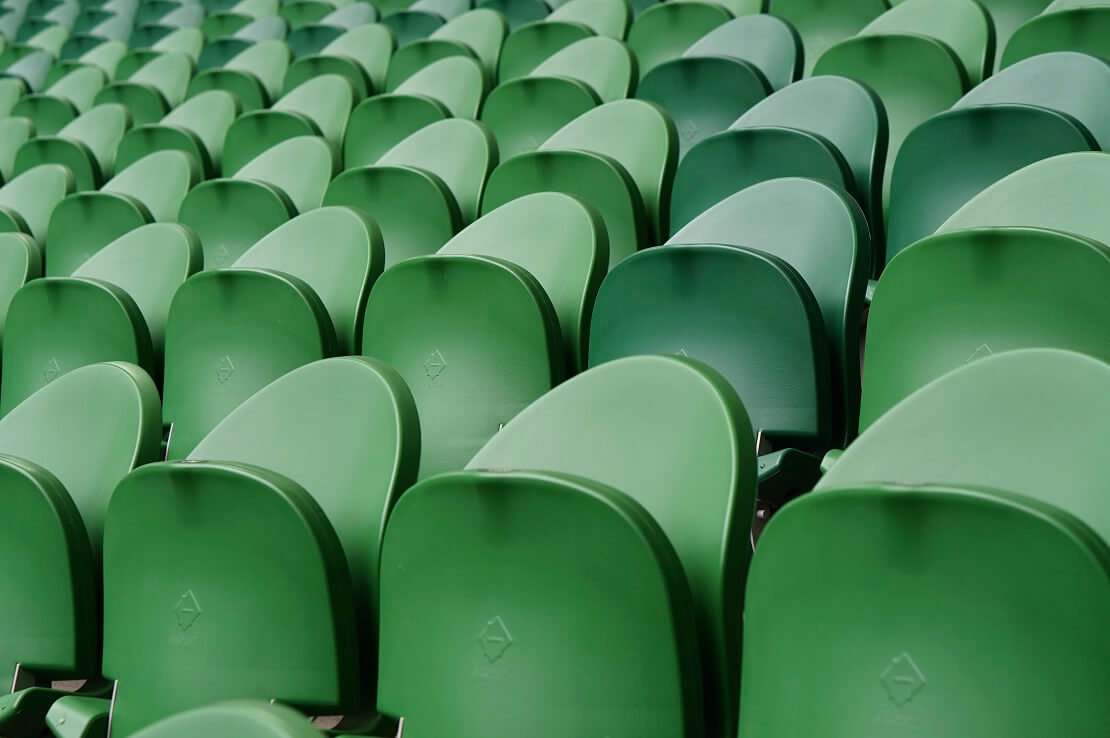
x: 337, y: 375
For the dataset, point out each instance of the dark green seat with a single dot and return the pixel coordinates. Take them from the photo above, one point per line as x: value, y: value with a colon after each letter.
x: 243, y: 718
x: 915, y: 76
x: 954, y: 156
x: 637, y: 424
x: 518, y: 12
x: 848, y: 115
x: 153, y: 89
x: 528, y: 46
x: 477, y: 34
x: 424, y: 189
x: 197, y: 126
x: 229, y: 20
x: 561, y: 242
x: 768, y: 43
x: 823, y: 24
x: 421, y: 18
x: 1007, y: 16
x: 1011, y: 287
x: 361, y: 55
x: 492, y: 574
x: 59, y: 464
x: 476, y: 339
x: 86, y: 145
x: 379, y: 123
x: 232, y: 214
x: 254, y: 74
x: 27, y: 200
x: 62, y: 101
x: 1082, y: 29
x: 319, y: 107
x: 820, y: 232
x: 665, y: 31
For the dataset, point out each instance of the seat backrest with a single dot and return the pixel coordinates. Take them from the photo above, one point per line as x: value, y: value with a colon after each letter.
x: 526, y: 111
x: 154, y: 89
x: 647, y: 426
x: 823, y: 24
x: 519, y: 12
x: 27, y: 200
x: 1012, y: 288
x: 684, y: 301
x: 87, y: 145
x: 963, y: 25
x: 361, y: 54
x: 159, y: 181
x: 639, y: 136
x: 666, y: 30
x: 254, y: 74
x: 475, y: 338
x: 1082, y: 29
x: 604, y: 64
x: 1068, y: 81
x: 534, y: 600
x: 604, y: 17
x: 301, y: 167
x: 483, y: 31
x: 20, y: 262
x: 197, y: 126
x: 457, y: 82
x: 952, y: 157
x: 379, y: 123
x: 244, y: 718
x: 14, y: 132
x: 868, y: 607
x: 346, y: 257
x: 561, y: 242
x: 528, y: 46
x: 768, y: 43
x: 1007, y: 16
x: 819, y: 231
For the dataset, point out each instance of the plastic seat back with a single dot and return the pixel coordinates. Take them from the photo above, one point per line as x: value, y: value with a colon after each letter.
x: 361, y: 55
x: 244, y: 718
x: 475, y: 338
x: 478, y: 34
x: 605, y: 65
x: 87, y: 145
x: 1082, y: 29
x: 154, y: 89
x: 823, y: 24
x: 768, y: 43
x: 561, y: 242
x: 379, y: 123
x: 198, y: 127
x: 457, y: 82
x: 518, y: 12
x: 525, y: 112
x: 610, y: 18
x: 1012, y: 288
x: 254, y: 74
x: 14, y: 132
x: 1007, y: 16
x: 666, y: 30
x: 20, y: 262
x: 554, y: 590
x: 963, y: 25
x: 27, y: 201
x: 528, y: 46
x: 600, y: 424
x: 62, y: 101
x: 867, y: 613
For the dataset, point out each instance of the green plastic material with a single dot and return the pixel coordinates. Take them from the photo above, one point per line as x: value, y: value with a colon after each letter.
x: 457, y: 82
x: 524, y: 112
x: 244, y: 719
x: 518, y: 12
x: 561, y: 242
x: 598, y: 426
x: 20, y: 262
x: 769, y: 43
x: 476, y: 339
x: 954, y: 156
x: 1012, y: 288
x: 62, y: 101
x: 1086, y: 30
x: 819, y: 231
x: 823, y: 24
x: 361, y: 54
x: 667, y: 30
x: 379, y: 123
x: 605, y: 65
x: 154, y: 89
x: 478, y: 33
x: 31, y: 69
x: 935, y: 588
x: 27, y: 201
x: 526, y: 573
x: 685, y: 301
x: 610, y: 18
x: 87, y: 145
x: 528, y: 46
x: 412, y: 26
x: 255, y: 74
x: 964, y: 25
x: 916, y: 77
x: 14, y: 132
x: 198, y: 127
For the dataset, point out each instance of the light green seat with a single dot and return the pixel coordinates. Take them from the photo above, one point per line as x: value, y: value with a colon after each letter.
x: 154, y: 89
x: 1007, y: 16
x: 232, y: 214
x: 610, y: 18
x: 916, y: 77
x: 954, y: 156
x: 1082, y: 29
x: 1066, y: 81
x: 243, y: 718
x: 823, y: 24
x: 665, y: 31
x: 1012, y: 288
x: 379, y: 123
x: 478, y: 34
x: 319, y: 107
x: 820, y: 232
x: 27, y: 200
x: 566, y: 547
x: 14, y: 132
x: 867, y: 611
x: 605, y: 65
x: 737, y: 7
x: 528, y: 46
x: 106, y: 55
x: 475, y: 338
x: 50, y: 39
x: 300, y: 13
x: 254, y: 74
x: 457, y: 82
x: 20, y: 262
x: 312, y: 38
x: 361, y: 55
x: 638, y: 424
x: 227, y: 22
x: 518, y: 12
x: 423, y: 190
x: 11, y: 90
x: 421, y: 18
x: 113, y: 308
x: 62, y: 101
x: 189, y: 41
x: 768, y: 43
x: 30, y: 69
x: 561, y: 242
x: 86, y: 145
x: 166, y: 12
x: 218, y: 52
x: 60, y: 463
x: 197, y: 127
x: 963, y: 25
x: 847, y: 114
x: 151, y: 189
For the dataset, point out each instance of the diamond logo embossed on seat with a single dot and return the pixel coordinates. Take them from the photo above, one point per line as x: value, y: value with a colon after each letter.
x: 902, y: 679
x: 495, y: 639
x: 682, y: 352
x: 187, y: 610
x: 220, y: 255
x: 51, y: 371
x: 224, y: 370
x: 435, y: 364
x: 689, y: 130
x: 980, y: 353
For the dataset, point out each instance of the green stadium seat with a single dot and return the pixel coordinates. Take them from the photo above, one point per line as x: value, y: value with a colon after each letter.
x: 952, y: 157
x: 232, y: 214
x: 823, y: 24
x: 151, y: 189
x: 20, y: 262
x: 152, y: 90
x: 1084, y: 29
x: 168, y: 13
x: 477, y: 34
x: 561, y: 242
x: 915, y: 76
x: 27, y: 200
x: 597, y: 426
x: 113, y: 308
x: 475, y: 338
x: 12, y: 88
x: 518, y: 12
x: 1007, y: 16
x: 254, y: 74
x: 86, y: 145
x: 528, y: 46
x: 62, y: 101
x: 536, y: 580
x: 227, y: 22
x: 421, y: 18
x: 60, y: 463
x: 424, y: 189
x: 457, y: 82
x: 610, y: 18
x: 361, y: 55
x: 769, y: 43
x: 959, y: 296
x: 299, y: 13
x: 103, y: 54
x: 605, y: 65
x: 188, y: 41
x: 319, y: 107
x: 313, y: 37
x: 217, y: 52
x: 379, y: 123
x: 820, y: 232
x: 243, y: 718
x: 665, y: 31
x: 197, y: 126
x: 14, y: 132
x: 30, y: 69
